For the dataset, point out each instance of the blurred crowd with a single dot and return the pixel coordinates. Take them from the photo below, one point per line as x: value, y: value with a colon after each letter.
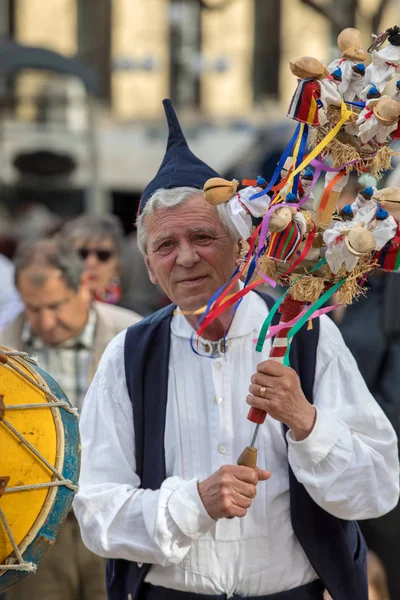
x: 113, y: 264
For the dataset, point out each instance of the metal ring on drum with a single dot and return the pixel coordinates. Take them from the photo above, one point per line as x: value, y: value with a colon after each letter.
x: 39, y: 464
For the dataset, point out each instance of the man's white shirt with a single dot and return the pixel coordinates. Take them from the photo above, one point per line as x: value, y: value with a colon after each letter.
x: 348, y: 463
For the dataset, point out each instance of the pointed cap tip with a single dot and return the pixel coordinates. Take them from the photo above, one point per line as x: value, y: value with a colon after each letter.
x: 175, y: 133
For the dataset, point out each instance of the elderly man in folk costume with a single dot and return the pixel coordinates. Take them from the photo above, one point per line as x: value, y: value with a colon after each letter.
x: 161, y: 494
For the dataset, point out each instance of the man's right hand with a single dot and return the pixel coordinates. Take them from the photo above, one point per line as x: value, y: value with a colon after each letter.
x: 230, y: 491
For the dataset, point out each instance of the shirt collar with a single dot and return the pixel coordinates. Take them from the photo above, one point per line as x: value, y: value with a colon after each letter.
x: 84, y: 339
x: 248, y: 318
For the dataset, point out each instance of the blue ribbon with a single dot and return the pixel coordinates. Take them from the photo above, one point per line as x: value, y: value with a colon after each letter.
x: 300, y: 156
x: 359, y: 104
x: 279, y: 166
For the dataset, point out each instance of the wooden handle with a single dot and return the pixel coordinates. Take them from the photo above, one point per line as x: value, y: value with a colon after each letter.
x: 248, y: 458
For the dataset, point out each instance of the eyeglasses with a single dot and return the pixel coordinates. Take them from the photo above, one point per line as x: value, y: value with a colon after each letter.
x: 102, y: 255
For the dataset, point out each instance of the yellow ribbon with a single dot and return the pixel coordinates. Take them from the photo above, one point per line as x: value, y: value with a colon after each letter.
x: 345, y: 114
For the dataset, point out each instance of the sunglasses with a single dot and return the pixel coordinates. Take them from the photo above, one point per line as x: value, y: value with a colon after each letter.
x: 102, y: 255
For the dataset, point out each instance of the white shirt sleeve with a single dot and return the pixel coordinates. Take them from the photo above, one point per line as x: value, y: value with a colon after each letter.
x: 353, y: 446
x: 110, y: 503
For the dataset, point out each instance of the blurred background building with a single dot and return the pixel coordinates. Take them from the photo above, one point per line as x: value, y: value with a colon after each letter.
x: 91, y: 143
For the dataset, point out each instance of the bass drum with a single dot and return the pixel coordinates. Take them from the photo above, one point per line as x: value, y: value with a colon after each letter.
x: 39, y: 464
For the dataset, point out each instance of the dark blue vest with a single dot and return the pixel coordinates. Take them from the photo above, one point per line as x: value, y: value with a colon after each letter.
x: 334, y: 547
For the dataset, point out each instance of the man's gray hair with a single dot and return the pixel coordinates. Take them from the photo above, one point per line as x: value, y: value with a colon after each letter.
x: 95, y: 227
x: 163, y: 198
x: 53, y: 254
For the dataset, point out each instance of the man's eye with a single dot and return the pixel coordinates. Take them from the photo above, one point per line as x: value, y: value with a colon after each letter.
x: 165, y: 245
x: 202, y: 238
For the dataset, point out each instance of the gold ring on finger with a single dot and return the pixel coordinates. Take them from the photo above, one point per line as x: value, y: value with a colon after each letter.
x: 262, y: 391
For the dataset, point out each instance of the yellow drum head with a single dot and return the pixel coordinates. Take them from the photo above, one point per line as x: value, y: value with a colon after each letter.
x: 17, y: 461
x: 37, y: 428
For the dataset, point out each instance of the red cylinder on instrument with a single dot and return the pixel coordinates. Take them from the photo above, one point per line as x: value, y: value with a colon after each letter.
x: 289, y: 309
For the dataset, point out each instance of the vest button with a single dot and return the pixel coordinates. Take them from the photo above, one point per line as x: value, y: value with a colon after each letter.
x: 129, y: 596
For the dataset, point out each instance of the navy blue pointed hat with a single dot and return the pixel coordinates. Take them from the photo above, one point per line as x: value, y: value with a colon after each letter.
x: 180, y: 167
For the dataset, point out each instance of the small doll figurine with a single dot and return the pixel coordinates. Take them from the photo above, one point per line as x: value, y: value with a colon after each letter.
x: 384, y: 63
x: 366, y: 212
x: 315, y: 89
x: 378, y: 120
x: 351, y: 64
x: 287, y: 227
x: 239, y: 207
x: 363, y: 199
x: 305, y: 180
x: 383, y: 227
x: 373, y: 94
x: 346, y: 243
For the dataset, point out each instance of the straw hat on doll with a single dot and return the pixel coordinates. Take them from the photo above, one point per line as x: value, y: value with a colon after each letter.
x: 390, y: 195
x: 308, y: 67
x: 359, y: 241
x: 350, y: 44
x: 387, y: 111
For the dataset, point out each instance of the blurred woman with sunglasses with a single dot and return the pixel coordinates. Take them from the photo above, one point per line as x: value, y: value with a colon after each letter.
x: 98, y: 239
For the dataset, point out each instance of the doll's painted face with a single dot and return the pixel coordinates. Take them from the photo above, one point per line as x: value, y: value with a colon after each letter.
x: 100, y: 259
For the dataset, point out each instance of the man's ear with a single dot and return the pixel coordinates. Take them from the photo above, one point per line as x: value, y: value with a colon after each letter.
x: 150, y: 271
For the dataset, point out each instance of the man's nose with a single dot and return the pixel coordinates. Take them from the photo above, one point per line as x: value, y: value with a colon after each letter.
x: 47, y: 319
x: 187, y: 255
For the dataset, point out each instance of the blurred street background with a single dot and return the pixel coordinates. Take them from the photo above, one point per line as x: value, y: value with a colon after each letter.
x: 224, y: 64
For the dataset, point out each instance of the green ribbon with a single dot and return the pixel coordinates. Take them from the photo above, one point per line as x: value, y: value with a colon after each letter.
x: 324, y: 298
x: 397, y: 264
x: 287, y: 241
x: 271, y: 314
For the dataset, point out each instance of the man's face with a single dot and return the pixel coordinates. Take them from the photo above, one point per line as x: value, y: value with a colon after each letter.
x: 56, y: 313
x: 189, y: 252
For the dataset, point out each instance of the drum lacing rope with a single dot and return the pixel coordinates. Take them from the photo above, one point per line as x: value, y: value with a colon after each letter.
x: 54, y: 400
x: 67, y: 482
x: 57, y: 404
x: 22, y: 564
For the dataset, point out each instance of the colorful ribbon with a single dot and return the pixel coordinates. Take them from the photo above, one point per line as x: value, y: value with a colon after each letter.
x: 268, y: 320
x: 345, y: 115
x: 325, y: 196
x: 274, y: 329
x: 307, y: 315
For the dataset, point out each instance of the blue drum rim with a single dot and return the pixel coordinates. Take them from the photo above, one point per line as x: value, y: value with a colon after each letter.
x: 47, y: 534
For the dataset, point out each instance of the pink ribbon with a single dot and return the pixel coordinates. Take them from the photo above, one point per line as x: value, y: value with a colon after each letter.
x: 274, y: 329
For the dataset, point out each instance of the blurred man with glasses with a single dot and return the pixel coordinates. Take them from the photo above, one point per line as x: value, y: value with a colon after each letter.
x: 67, y: 331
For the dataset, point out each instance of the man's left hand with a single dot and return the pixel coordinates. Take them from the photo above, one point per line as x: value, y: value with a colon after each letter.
x: 283, y: 397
